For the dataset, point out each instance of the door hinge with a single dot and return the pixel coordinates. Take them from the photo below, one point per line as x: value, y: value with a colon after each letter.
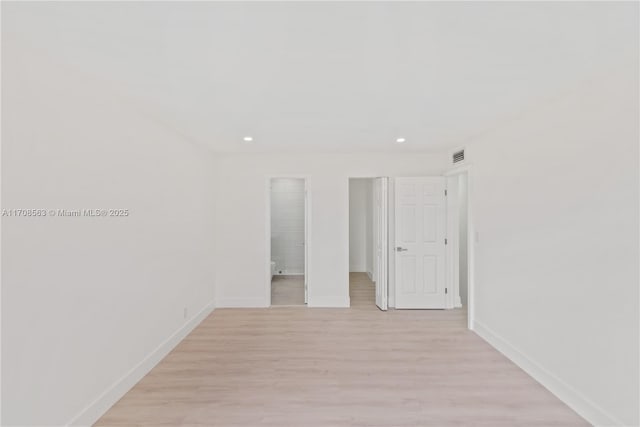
x: 445, y: 191
x: 446, y: 290
x: 445, y: 241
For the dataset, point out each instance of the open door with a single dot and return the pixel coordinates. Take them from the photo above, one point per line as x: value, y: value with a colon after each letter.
x: 420, y: 242
x: 306, y: 245
x: 381, y: 221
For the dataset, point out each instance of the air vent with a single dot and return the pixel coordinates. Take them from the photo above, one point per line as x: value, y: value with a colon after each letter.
x: 458, y: 156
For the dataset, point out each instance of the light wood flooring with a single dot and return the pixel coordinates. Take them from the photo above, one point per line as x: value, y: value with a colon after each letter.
x: 362, y: 291
x: 298, y: 366
x: 287, y: 290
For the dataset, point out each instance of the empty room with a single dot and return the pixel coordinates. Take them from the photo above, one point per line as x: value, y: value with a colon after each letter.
x: 323, y: 214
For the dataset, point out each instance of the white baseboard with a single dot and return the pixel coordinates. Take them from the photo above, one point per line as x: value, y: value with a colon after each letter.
x: 251, y: 302
x: 357, y: 269
x: 335, y: 302
x: 89, y: 415
x: 458, y: 302
x: 563, y: 391
x: 330, y: 302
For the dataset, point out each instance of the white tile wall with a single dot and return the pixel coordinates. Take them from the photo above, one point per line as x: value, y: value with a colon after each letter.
x: 287, y: 225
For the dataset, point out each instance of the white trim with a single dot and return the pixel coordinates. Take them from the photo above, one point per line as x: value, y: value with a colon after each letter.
x: 250, y: 302
x: 458, y: 169
x: 452, y: 250
x: 267, y: 241
x: 471, y: 244
x: 90, y: 414
x: 391, y: 243
x: 382, y: 234
x: 563, y: 391
x: 307, y: 239
x: 330, y: 302
x: 307, y: 212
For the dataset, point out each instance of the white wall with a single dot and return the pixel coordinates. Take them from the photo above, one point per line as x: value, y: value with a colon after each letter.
x: 242, y: 276
x: 86, y: 300
x: 555, y: 203
x: 287, y: 225
x: 360, y: 229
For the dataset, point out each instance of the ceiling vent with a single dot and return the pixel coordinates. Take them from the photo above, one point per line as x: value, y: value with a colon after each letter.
x: 458, y: 156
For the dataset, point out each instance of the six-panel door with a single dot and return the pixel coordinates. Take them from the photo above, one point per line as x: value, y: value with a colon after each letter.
x: 420, y: 227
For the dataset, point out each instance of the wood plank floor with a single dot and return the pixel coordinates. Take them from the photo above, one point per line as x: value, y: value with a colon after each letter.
x: 298, y: 366
x: 287, y: 290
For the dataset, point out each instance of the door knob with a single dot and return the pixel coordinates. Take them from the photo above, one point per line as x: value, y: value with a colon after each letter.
x: 399, y: 249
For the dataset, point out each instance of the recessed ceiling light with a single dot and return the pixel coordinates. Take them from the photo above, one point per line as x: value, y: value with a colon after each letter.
x: 247, y: 139
x: 400, y: 140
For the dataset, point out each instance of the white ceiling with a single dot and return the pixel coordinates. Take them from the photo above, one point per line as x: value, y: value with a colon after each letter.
x: 333, y: 76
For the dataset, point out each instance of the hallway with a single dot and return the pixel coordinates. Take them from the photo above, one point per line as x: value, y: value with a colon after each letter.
x: 362, y: 291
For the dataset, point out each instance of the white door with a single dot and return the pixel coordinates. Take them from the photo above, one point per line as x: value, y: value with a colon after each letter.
x: 306, y: 244
x: 380, y: 206
x: 420, y: 217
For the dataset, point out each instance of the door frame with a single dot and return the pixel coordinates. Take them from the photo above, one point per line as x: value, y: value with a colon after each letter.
x: 383, y: 267
x: 453, y: 249
x: 307, y: 229
x: 348, y: 239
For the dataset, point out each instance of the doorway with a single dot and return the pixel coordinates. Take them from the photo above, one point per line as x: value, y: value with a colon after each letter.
x: 462, y: 235
x: 288, y: 241
x: 368, y: 236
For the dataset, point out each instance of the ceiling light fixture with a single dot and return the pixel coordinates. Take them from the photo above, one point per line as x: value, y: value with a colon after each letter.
x: 400, y: 140
x: 247, y: 139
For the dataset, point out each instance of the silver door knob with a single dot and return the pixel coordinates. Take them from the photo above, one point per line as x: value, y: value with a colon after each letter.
x: 399, y: 249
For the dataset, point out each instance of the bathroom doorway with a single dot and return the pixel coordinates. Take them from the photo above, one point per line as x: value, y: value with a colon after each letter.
x: 288, y: 225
